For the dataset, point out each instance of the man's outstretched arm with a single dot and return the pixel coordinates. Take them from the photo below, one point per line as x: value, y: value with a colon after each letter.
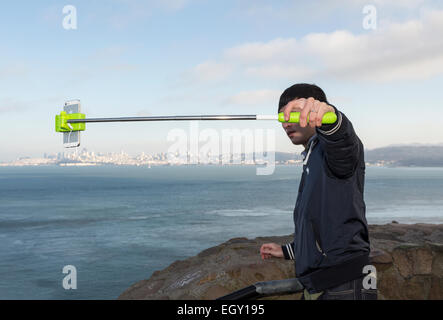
x: 341, y: 144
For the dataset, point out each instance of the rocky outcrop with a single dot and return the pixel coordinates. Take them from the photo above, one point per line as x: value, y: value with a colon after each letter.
x: 408, y: 259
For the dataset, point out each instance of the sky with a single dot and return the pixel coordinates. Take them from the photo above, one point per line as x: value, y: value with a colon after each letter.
x: 185, y: 57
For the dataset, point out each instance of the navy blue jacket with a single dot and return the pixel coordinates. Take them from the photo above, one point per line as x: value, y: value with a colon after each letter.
x: 329, y: 214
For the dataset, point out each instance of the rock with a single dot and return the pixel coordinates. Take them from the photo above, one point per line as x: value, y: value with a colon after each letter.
x: 408, y: 259
x: 380, y: 256
x: 413, y: 260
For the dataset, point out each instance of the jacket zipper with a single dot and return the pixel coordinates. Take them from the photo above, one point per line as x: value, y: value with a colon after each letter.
x: 319, y: 248
x: 316, y: 236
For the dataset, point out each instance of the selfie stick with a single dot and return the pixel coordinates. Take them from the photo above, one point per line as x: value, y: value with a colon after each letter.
x: 72, y: 120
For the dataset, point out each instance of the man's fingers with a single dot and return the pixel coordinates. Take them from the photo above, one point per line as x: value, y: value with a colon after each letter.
x: 314, y: 117
x: 324, y: 108
x: 267, y: 249
x: 264, y: 249
x: 304, y: 113
x: 294, y: 105
x: 305, y: 107
x: 320, y: 115
x: 287, y: 110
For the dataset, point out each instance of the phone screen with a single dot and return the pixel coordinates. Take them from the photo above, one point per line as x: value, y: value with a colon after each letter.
x: 72, y: 139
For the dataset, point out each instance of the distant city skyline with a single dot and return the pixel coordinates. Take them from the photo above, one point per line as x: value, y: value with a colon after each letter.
x: 177, y: 57
x: 296, y: 150
x: 417, y: 155
x: 81, y: 149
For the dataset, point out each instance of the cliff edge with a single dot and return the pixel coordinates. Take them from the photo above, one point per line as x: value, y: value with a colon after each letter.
x: 408, y: 259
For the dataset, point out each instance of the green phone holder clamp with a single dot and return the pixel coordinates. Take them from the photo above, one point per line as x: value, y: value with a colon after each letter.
x: 62, y: 125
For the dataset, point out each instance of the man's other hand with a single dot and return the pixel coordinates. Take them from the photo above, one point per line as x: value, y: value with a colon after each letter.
x: 269, y: 250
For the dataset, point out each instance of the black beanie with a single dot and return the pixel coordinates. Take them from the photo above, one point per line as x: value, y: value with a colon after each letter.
x: 301, y: 90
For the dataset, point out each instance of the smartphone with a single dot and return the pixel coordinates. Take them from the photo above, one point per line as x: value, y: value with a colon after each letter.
x: 72, y: 139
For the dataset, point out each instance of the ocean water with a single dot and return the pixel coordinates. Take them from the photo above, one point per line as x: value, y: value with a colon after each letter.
x: 117, y: 225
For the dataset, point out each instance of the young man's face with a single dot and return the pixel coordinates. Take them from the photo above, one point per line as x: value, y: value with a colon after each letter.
x: 296, y: 133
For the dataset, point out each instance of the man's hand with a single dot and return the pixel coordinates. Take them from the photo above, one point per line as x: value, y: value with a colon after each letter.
x: 269, y: 250
x: 316, y: 110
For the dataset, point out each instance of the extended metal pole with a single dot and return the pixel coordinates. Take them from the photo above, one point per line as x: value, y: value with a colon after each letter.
x: 177, y: 118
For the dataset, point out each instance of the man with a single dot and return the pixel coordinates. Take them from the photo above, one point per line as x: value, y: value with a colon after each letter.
x: 331, y: 243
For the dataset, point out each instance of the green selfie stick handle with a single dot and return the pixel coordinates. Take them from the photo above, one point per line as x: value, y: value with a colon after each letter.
x: 328, y: 117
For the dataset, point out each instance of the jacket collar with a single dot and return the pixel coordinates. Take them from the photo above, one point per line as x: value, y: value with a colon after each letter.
x: 308, y: 145
x: 307, y: 152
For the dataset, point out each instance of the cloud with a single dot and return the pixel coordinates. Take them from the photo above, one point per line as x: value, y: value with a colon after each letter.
x: 8, y: 105
x: 393, y: 3
x: 12, y: 69
x: 143, y: 113
x: 314, y: 9
x: 120, y: 67
x: 254, y: 97
x: 279, y: 71
x: 281, y: 49
x: 315, y: 14
x: 103, y: 62
x: 395, y: 51
x: 173, y: 4
x: 210, y: 71
x: 132, y: 11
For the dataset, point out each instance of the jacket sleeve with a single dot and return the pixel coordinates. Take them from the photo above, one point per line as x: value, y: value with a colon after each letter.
x: 288, y: 251
x: 341, y: 145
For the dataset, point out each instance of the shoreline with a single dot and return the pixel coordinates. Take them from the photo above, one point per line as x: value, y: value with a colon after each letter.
x: 408, y: 259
